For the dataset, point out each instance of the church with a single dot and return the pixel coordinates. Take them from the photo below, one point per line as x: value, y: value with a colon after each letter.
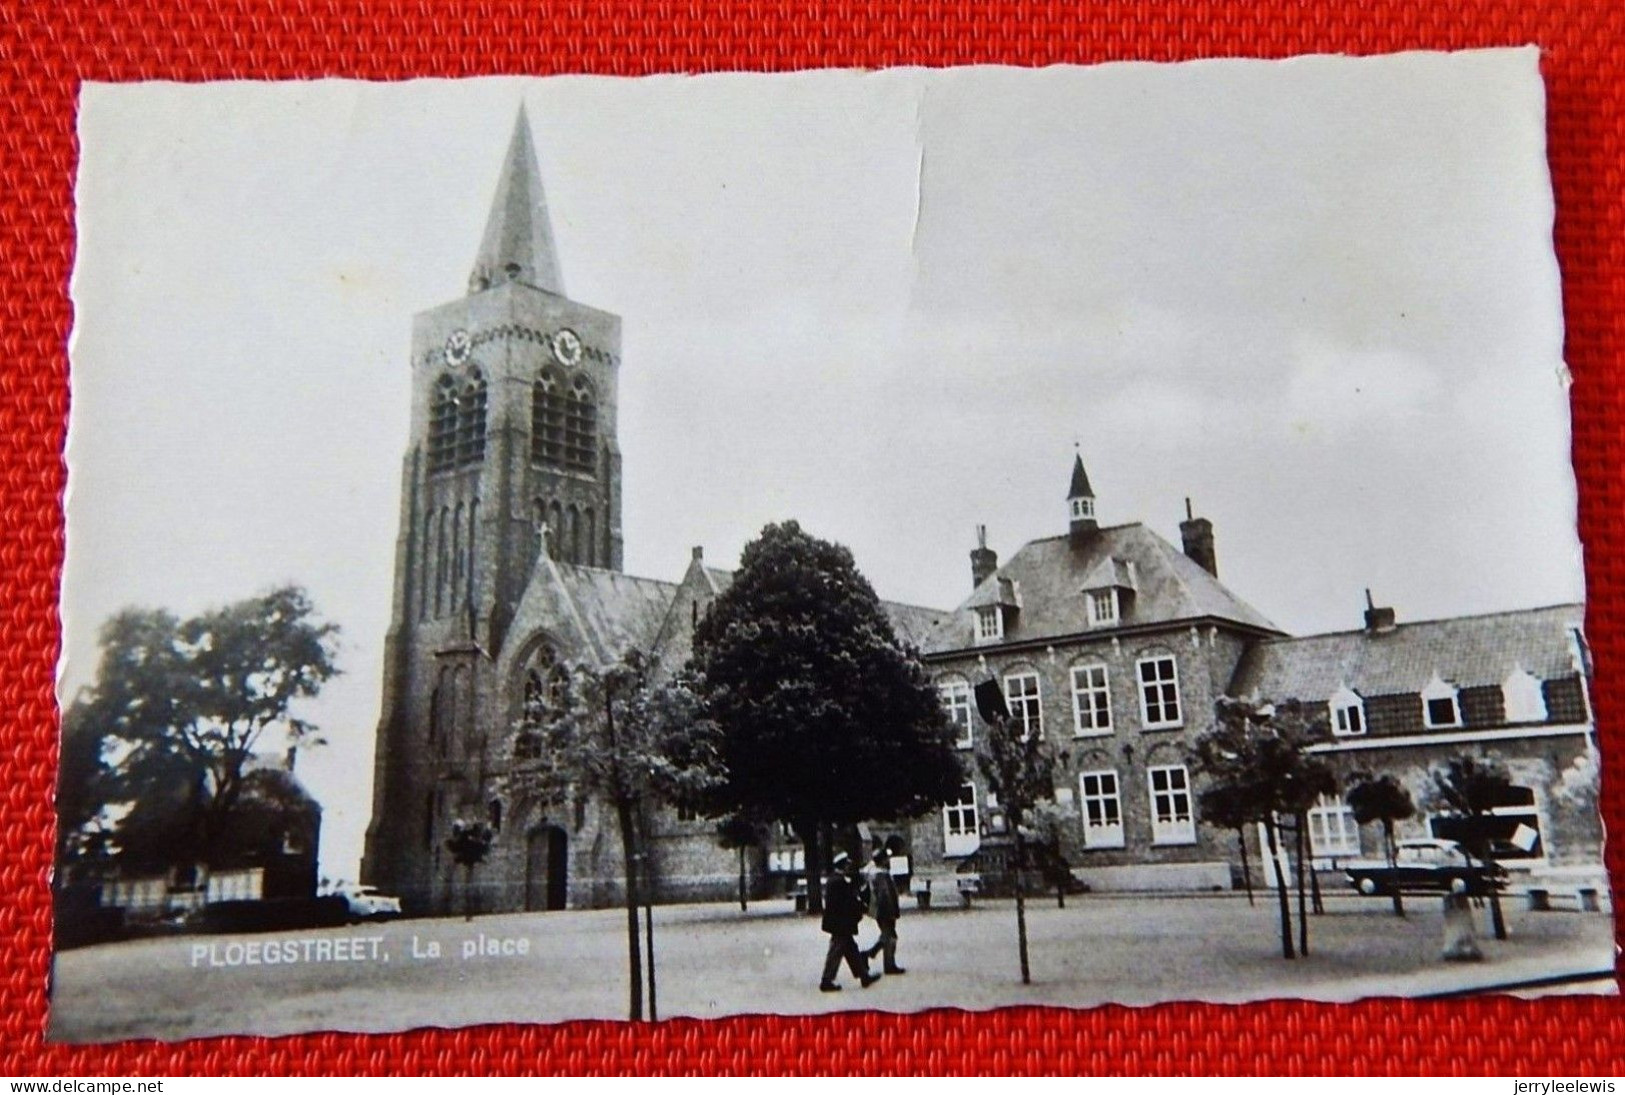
x: 1107, y: 637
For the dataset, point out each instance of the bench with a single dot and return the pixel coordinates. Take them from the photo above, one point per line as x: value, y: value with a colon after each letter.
x: 1578, y: 898
x: 969, y: 885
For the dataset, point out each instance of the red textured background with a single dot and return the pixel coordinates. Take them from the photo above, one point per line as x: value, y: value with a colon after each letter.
x: 47, y: 50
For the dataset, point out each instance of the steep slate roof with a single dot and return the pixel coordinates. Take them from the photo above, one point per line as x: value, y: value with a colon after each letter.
x: 1050, y: 576
x: 518, y: 231
x: 1467, y: 651
x: 912, y: 623
x: 617, y: 610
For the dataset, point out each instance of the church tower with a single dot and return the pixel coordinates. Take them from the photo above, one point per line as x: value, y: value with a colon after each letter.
x: 512, y: 452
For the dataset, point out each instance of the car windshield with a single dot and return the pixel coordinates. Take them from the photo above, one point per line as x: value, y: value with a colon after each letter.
x: 1423, y: 853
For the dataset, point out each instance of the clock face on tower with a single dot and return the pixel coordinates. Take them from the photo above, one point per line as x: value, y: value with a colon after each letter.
x: 458, y: 345
x: 566, y: 346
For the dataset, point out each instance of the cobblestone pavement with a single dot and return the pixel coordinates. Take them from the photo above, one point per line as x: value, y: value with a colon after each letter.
x: 713, y: 960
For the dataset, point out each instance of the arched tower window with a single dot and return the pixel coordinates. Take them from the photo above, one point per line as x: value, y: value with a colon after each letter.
x: 468, y: 548
x: 443, y: 425
x: 471, y: 421
x: 581, y: 426
x: 457, y: 423
x: 440, y: 564
x: 589, y: 538
x: 457, y: 556
x: 425, y: 565
x: 547, y: 407
x: 575, y: 535
x: 555, y: 528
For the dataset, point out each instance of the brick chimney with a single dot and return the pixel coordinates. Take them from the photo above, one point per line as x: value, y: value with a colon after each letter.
x: 1197, y: 532
x: 983, y: 559
x: 1378, y: 621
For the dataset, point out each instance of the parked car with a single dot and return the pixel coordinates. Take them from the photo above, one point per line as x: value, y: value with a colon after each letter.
x: 366, y: 903
x: 1426, y: 866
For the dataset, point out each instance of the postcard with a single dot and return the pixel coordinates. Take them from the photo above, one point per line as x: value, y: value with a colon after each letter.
x: 590, y: 548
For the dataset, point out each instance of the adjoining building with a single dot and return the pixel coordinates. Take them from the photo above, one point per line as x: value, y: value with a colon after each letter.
x: 1107, y: 638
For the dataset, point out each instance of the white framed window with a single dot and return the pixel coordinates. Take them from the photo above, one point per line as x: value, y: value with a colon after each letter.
x: 1172, y: 820
x: 1102, y: 607
x: 1091, y: 701
x: 1524, y: 699
x: 1083, y: 509
x: 1021, y: 695
x: 1102, y: 809
x: 955, y: 694
x: 961, y: 834
x: 1441, y: 707
x: 989, y: 623
x: 1159, y: 691
x: 1348, y: 713
x: 1333, y: 831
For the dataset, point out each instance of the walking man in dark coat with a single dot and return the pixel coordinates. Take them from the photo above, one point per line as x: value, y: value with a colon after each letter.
x: 884, y: 907
x: 844, y: 905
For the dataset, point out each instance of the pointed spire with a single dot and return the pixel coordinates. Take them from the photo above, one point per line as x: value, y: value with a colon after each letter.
x: 1080, y: 480
x: 518, y: 242
x: 1080, y: 504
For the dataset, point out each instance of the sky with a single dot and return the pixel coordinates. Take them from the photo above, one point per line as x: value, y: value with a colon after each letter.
x: 1318, y: 297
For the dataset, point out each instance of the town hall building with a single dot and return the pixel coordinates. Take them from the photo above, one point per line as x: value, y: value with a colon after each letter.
x: 1108, y: 638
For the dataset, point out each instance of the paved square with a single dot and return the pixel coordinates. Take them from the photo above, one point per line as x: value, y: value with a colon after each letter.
x: 713, y: 960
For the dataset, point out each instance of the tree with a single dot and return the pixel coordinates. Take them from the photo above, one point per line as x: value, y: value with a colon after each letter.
x: 1046, y: 823
x: 181, y: 707
x: 1471, y: 789
x: 617, y: 734
x: 1382, y: 799
x: 1020, y: 770
x: 83, y: 829
x: 739, y: 832
x: 1224, y: 806
x: 825, y: 718
x: 1255, y: 761
x: 469, y: 844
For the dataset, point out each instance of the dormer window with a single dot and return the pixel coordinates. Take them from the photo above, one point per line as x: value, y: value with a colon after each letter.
x: 1083, y: 509
x: 1348, y: 713
x: 1102, y: 607
x: 1523, y: 697
x: 989, y: 623
x: 1440, y: 707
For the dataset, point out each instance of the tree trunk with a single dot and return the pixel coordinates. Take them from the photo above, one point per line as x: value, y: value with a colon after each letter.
x: 1280, y: 890
x: 1021, y: 913
x: 1497, y: 919
x: 1388, y: 846
x: 1246, y: 868
x: 814, y: 867
x: 1303, y: 915
x: 468, y: 894
x: 1315, y: 902
x: 743, y: 907
x: 649, y: 931
x: 634, y: 956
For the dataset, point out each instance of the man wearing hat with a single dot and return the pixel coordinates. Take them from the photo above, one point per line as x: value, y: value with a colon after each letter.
x: 885, y: 908
x: 844, y: 905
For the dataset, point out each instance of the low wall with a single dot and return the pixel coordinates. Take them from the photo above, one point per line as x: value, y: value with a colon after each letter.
x: 1156, y: 877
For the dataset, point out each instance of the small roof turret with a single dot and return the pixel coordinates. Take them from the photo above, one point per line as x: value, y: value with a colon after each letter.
x: 1080, y: 504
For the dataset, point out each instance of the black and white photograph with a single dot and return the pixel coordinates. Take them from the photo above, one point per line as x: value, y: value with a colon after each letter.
x: 566, y: 548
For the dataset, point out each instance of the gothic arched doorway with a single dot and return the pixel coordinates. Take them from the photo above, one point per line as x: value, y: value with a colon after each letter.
x: 547, y: 855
